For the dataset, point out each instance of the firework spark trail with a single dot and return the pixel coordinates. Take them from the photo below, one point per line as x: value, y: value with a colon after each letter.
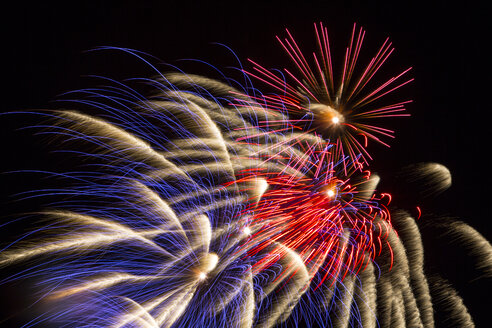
x: 170, y: 221
x: 209, y: 206
x: 240, y: 123
x: 365, y: 296
x: 167, y: 194
x: 452, y: 311
x: 409, y: 235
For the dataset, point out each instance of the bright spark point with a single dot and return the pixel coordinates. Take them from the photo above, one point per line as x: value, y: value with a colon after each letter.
x: 262, y: 186
x: 247, y: 231
x: 330, y: 193
x: 326, y: 114
x: 210, y: 262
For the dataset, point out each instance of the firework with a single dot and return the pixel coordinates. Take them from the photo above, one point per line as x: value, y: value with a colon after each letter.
x: 208, y: 205
x: 319, y: 212
x: 339, y: 108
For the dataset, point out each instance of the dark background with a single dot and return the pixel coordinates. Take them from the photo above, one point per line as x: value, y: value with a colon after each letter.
x: 45, y: 46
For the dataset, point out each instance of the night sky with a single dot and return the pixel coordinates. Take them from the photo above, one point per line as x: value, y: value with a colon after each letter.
x: 46, y: 46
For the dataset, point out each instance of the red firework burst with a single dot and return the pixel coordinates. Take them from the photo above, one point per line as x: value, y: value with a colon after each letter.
x: 339, y: 108
x: 314, y: 208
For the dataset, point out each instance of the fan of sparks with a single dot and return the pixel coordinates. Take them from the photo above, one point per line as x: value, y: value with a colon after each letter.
x: 340, y: 109
x: 328, y: 215
x: 219, y: 207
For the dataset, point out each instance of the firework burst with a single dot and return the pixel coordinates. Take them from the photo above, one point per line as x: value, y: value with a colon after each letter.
x: 208, y: 205
x: 329, y: 216
x: 338, y: 108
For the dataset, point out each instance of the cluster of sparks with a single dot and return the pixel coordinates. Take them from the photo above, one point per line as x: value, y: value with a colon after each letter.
x: 304, y: 201
x: 329, y: 221
x: 316, y: 211
x: 316, y: 103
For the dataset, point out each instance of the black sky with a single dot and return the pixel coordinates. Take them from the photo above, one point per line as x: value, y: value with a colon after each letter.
x: 45, y: 46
